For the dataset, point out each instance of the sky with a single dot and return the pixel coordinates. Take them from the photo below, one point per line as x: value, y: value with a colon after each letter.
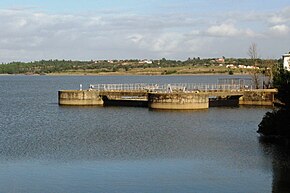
x: 142, y: 29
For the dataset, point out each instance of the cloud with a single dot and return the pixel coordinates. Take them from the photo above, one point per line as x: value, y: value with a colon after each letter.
x: 164, y: 42
x: 280, y: 29
x: 223, y: 30
x: 38, y: 35
x: 280, y: 17
x: 28, y: 35
x: 229, y: 30
x: 275, y: 19
x: 173, y: 45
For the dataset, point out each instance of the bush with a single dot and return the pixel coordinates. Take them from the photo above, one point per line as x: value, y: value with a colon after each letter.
x: 276, y: 123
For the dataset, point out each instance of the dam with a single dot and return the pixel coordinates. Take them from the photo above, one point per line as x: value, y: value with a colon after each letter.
x: 176, y: 96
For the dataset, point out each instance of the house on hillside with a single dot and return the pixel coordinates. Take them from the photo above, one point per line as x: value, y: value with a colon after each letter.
x: 220, y: 60
x: 145, y: 61
x: 286, y: 61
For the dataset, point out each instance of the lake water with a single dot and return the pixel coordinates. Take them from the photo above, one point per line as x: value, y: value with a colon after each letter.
x: 45, y: 147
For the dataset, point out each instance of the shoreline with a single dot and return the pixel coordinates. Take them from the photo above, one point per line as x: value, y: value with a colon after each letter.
x: 128, y: 74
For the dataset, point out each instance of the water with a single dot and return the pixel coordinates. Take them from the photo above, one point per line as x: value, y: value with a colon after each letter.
x: 48, y: 148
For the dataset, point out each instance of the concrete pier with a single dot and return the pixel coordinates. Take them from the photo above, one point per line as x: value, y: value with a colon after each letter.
x: 176, y: 97
x: 79, y: 98
x: 178, y: 101
x: 262, y: 97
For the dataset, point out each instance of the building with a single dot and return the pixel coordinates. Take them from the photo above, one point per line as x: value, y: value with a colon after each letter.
x: 145, y: 61
x: 220, y: 60
x: 286, y: 61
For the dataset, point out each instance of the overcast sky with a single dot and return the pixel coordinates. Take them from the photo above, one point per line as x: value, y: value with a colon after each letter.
x: 142, y: 29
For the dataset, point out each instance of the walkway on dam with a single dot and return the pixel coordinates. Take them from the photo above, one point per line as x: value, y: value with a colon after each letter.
x: 185, y: 87
x: 222, y: 85
x: 218, y: 89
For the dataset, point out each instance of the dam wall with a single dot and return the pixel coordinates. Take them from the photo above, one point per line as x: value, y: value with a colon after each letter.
x: 79, y: 97
x: 175, y: 100
x: 262, y: 97
x: 178, y: 101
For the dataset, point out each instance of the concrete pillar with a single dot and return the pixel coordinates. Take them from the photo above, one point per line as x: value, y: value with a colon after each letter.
x: 178, y: 101
x: 79, y: 98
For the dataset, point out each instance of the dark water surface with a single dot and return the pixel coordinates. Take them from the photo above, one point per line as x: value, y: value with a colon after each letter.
x: 48, y: 148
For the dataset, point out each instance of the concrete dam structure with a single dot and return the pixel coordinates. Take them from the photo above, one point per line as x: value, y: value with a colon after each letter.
x: 178, y: 100
x: 167, y: 96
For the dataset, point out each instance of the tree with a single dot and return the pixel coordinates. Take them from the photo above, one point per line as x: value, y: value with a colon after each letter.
x: 253, y: 54
x: 270, y: 68
x: 277, y: 122
x: 282, y: 83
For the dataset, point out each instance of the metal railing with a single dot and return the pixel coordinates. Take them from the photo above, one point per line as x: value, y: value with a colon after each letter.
x: 174, y: 87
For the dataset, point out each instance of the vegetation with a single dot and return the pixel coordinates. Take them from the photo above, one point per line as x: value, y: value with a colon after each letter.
x: 277, y: 122
x: 253, y: 54
x: 133, y: 66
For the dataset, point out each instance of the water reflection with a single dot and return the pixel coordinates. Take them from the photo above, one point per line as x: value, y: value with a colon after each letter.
x: 279, y: 152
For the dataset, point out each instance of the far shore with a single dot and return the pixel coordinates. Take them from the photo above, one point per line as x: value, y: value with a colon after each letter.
x: 148, y: 72
x: 123, y: 74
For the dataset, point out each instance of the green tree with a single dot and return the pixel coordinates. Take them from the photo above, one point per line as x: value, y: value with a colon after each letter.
x: 277, y: 122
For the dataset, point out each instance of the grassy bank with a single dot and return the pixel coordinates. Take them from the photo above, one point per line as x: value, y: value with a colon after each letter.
x: 183, y: 70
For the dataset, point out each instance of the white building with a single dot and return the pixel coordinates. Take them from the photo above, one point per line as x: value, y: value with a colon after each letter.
x: 145, y: 62
x: 286, y: 61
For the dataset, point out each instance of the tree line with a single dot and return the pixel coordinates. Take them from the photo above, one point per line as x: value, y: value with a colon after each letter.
x: 63, y: 66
